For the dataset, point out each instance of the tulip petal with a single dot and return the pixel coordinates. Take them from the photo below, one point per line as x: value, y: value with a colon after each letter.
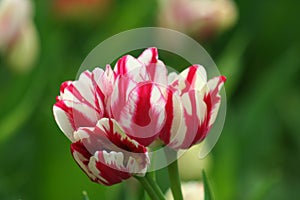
x: 64, y: 122
x: 174, y: 116
x: 127, y: 64
x: 192, y: 78
x: 80, y: 104
x: 82, y: 158
x: 120, y: 93
x: 143, y: 115
x: 194, y: 116
x: 149, y: 56
x: 156, y: 69
x: 103, y: 83
x: 172, y: 77
x: 213, y: 98
x: 107, y: 155
x: 70, y: 116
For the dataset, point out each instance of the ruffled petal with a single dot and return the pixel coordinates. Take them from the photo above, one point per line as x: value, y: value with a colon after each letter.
x: 107, y: 155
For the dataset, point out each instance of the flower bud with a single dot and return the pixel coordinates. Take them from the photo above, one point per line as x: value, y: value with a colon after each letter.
x: 18, y: 35
x: 13, y: 14
x: 23, y: 54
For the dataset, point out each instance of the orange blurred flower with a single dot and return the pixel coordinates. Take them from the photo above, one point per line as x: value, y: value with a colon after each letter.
x: 81, y: 9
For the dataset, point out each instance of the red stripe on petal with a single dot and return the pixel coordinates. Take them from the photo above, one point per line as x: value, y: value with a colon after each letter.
x: 109, y: 172
x: 120, y: 141
x: 154, y: 57
x: 79, y: 147
x: 191, y: 75
x: 191, y: 121
x: 121, y: 66
x: 212, y: 100
x: 108, y: 155
x: 165, y: 134
x: 143, y: 116
x: 143, y: 105
x: 64, y: 85
x: 79, y: 115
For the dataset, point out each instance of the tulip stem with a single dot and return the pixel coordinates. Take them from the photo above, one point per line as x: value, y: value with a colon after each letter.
x: 175, y: 180
x: 156, y: 188
x: 151, y: 187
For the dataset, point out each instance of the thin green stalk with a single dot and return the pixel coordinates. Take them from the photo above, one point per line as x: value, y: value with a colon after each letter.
x: 175, y: 181
x: 156, y: 188
x: 148, y: 187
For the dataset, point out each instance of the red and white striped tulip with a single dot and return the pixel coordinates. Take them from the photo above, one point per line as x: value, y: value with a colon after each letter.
x: 82, y: 102
x: 106, y: 112
x: 192, y: 107
x: 131, y: 97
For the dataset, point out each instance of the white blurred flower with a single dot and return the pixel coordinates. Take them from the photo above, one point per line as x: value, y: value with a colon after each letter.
x: 201, y: 18
x: 18, y: 35
x: 191, y: 166
x: 190, y: 191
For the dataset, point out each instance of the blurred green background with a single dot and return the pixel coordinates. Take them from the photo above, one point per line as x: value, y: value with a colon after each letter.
x: 258, y: 153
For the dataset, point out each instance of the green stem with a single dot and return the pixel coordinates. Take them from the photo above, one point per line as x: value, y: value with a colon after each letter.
x: 148, y: 187
x: 156, y: 188
x: 175, y: 180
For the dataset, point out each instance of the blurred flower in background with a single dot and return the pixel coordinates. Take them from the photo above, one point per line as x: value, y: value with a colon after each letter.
x: 190, y: 191
x: 81, y: 10
x: 202, y: 19
x: 19, y: 43
x: 190, y: 164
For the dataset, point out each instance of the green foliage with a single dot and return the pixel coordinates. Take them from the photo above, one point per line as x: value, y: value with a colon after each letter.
x: 207, y: 190
x: 257, y: 155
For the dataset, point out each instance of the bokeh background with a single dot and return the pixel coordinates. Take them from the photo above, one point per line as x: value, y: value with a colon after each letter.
x: 256, y: 44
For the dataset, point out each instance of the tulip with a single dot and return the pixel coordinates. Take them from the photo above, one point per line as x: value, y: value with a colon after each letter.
x: 192, y: 107
x: 139, y: 97
x: 105, y: 112
x: 200, y: 18
x: 131, y: 94
x: 99, y: 146
x: 110, y: 115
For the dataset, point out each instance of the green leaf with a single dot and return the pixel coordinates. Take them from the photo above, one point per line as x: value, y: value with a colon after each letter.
x: 207, y: 190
